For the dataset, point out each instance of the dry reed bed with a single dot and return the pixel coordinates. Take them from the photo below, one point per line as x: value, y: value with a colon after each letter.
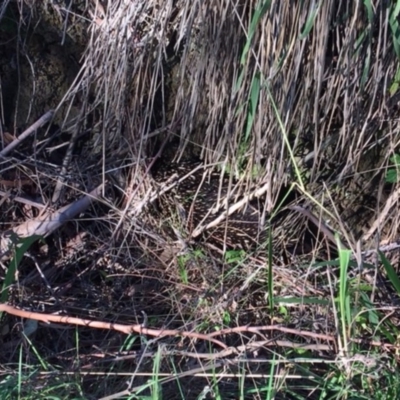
x: 154, y: 71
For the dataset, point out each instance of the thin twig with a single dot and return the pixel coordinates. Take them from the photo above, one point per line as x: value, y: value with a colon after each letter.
x: 58, y: 190
x: 23, y: 200
x: 40, y: 122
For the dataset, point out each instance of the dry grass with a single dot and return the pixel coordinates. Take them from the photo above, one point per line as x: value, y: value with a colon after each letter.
x: 288, y: 103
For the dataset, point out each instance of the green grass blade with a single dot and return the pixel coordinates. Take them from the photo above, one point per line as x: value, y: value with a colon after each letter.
x: 395, y: 28
x: 309, y: 23
x: 286, y: 140
x: 390, y: 271
x: 156, y: 385
x: 260, y: 11
x: 270, y: 387
x: 270, y: 271
x: 253, y: 103
x: 344, y: 300
x: 370, y: 12
x: 394, y: 86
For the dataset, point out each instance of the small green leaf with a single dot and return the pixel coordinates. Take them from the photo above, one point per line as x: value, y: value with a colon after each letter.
x: 391, y: 176
x: 395, y: 159
x: 234, y: 256
x: 226, y: 318
x: 20, y: 247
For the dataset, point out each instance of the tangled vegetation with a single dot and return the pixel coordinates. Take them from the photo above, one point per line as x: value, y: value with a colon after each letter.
x: 199, y: 199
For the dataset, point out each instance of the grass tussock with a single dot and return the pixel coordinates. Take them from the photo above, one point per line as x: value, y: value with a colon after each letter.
x: 174, y: 124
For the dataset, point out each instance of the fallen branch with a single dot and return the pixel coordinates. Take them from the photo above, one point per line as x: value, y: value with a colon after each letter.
x: 48, y: 222
x: 138, y: 328
x: 127, y: 329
